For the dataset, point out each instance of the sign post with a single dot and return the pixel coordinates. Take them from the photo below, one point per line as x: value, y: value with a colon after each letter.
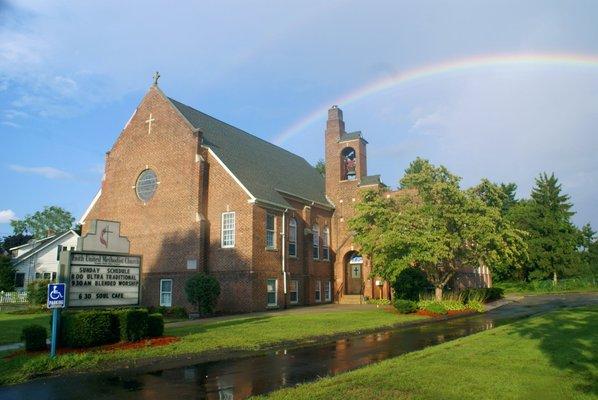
x: 55, y: 301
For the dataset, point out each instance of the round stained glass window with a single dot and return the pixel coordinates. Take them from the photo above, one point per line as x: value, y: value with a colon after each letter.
x: 146, y: 185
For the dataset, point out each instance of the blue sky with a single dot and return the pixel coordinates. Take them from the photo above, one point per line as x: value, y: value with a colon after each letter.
x: 71, y: 74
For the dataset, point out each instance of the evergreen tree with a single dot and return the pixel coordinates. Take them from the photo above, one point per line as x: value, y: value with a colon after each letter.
x: 589, y: 250
x: 553, y: 239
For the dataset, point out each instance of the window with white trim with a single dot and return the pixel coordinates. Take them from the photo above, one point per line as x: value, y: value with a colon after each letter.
x: 227, y: 237
x: 316, y: 241
x: 294, y: 292
x: 270, y: 231
x: 292, y: 237
x: 318, y: 291
x: 325, y: 243
x: 165, y: 292
x: 271, y: 288
x: 327, y: 291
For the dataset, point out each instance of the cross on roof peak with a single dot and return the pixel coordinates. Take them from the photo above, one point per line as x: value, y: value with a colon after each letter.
x: 156, y: 77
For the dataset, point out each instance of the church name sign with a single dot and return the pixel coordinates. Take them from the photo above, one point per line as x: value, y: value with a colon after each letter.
x: 103, y: 280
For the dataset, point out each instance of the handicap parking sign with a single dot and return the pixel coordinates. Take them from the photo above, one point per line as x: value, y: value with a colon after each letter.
x: 56, y: 295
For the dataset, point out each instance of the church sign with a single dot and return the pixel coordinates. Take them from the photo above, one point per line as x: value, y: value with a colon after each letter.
x: 97, y: 279
x: 102, y: 273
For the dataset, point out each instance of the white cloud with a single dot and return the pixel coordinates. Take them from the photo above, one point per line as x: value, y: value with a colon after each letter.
x: 6, y: 216
x: 429, y: 121
x: 11, y: 124
x: 46, y: 172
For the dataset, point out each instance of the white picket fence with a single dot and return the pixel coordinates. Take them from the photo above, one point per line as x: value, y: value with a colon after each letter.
x: 13, y: 297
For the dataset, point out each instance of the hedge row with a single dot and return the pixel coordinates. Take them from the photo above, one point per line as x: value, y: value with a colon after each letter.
x: 99, y: 327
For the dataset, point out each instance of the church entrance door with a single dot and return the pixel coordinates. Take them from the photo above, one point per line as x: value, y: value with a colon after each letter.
x: 353, y: 274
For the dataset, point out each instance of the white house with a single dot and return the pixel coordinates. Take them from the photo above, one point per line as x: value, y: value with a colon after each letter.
x: 38, y: 259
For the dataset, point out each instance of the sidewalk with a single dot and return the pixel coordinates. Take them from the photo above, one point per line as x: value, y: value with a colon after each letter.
x: 295, y: 310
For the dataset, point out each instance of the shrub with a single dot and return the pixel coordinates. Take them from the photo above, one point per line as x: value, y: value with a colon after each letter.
x: 436, y: 308
x: 173, y: 312
x: 203, y: 291
x: 378, y: 302
x: 405, y: 306
x: 89, y: 328
x: 7, y: 274
x: 453, y: 305
x: 34, y: 337
x: 482, y: 294
x: 410, y: 283
x: 37, y: 292
x: 155, y: 325
x: 133, y: 324
x: 476, y: 305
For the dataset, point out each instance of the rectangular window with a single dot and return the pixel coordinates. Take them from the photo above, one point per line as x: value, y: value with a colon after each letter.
x: 47, y: 275
x: 316, y: 242
x: 294, y: 292
x: 228, y: 230
x: 293, y: 237
x: 19, y: 279
x: 165, y: 292
x: 325, y: 246
x: 38, y: 275
x: 270, y: 231
x: 53, y: 276
x: 271, y: 287
x: 318, y: 291
x: 327, y: 291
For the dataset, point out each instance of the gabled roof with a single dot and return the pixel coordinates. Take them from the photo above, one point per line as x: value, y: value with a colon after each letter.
x: 33, y: 242
x: 43, y: 244
x: 265, y: 170
x: 370, y: 180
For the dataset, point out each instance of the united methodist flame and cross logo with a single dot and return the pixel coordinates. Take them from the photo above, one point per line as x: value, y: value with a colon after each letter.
x: 104, y: 235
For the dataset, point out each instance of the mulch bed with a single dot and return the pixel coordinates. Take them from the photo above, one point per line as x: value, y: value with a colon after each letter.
x: 153, y: 342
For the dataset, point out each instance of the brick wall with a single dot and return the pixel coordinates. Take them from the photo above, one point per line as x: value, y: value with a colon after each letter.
x: 165, y: 230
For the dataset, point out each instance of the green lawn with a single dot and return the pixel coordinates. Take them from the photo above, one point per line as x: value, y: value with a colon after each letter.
x: 547, y: 286
x: 12, y: 324
x: 245, y: 333
x: 548, y: 357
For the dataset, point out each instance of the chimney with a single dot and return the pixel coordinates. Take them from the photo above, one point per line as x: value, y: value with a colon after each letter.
x: 335, y: 125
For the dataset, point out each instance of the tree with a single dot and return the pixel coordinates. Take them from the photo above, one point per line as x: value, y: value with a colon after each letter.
x: 553, y: 240
x: 501, y: 196
x: 321, y: 167
x: 432, y: 225
x: 203, y: 290
x: 51, y: 219
x: 588, y: 250
x: 7, y: 274
x: 8, y: 242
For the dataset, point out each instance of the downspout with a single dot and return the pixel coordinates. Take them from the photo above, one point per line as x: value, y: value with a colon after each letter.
x: 284, y: 272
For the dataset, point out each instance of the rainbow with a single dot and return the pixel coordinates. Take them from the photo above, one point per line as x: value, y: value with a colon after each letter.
x: 447, y: 67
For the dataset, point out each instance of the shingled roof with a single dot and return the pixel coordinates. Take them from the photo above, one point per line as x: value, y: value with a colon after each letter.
x: 264, y: 169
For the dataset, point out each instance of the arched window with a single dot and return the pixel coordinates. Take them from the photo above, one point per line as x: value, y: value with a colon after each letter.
x: 325, y: 243
x: 316, y: 242
x: 292, y: 237
x: 348, y: 164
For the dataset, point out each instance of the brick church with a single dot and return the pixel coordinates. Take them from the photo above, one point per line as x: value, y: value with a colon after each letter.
x: 195, y: 194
